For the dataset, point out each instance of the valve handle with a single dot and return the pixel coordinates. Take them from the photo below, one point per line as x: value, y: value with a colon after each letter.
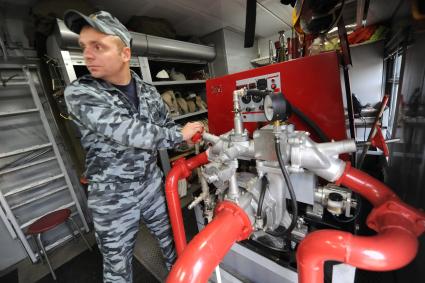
x: 197, y: 137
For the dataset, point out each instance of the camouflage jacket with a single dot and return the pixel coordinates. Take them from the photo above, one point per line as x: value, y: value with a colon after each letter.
x: 120, y: 141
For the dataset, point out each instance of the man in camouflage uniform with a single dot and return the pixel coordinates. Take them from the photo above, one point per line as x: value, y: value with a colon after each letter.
x: 123, y: 121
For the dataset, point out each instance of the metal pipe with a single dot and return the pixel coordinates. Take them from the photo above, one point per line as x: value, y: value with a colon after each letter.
x: 208, y: 248
x: 205, y: 195
x: 237, y: 120
x: 146, y: 45
x: 181, y: 169
x: 233, y: 192
x: 210, y: 138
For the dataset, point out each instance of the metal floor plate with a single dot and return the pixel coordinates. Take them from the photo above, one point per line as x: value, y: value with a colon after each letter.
x: 148, y: 253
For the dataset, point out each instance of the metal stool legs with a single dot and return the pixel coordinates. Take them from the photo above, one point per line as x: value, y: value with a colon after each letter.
x: 73, y: 226
x: 49, y: 222
x: 39, y: 251
x: 40, y: 244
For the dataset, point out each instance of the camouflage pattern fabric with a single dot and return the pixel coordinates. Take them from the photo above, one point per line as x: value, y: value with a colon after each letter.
x: 125, y: 183
x: 116, y: 211
x: 120, y: 141
x: 102, y: 21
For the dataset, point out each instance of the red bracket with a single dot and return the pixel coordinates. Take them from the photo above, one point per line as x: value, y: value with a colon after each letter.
x: 379, y: 141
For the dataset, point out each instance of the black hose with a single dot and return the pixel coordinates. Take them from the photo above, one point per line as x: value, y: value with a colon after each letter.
x: 318, y: 131
x: 264, y: 184
x: 291, y: 193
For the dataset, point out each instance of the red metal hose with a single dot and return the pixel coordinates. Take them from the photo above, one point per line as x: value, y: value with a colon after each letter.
x: 392, y: 249
x: 373, y: 190
x: 208, y: 248
x: 398, y: 226
x: 181, y: 169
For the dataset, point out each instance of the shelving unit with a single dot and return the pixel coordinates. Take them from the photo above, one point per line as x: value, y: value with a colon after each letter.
x: 189, y: 115
x: 187, y: 82
x: 150, y: 67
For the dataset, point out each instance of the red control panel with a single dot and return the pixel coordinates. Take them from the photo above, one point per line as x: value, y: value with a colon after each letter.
x: 312, y: 84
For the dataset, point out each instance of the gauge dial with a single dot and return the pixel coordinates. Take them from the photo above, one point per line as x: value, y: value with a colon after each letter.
x: 276, y: 107
x: 246, y: 98
x: 257, y: 97
x: 268, y: 108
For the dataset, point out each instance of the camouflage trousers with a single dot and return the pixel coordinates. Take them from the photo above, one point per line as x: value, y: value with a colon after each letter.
x: 116, y: 210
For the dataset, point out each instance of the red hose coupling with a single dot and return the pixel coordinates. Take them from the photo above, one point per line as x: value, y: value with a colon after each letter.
x: 236, y: 211
x: 396, y: 213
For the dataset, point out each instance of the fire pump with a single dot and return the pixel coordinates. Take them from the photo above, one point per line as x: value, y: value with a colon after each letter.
x: 276, y: 173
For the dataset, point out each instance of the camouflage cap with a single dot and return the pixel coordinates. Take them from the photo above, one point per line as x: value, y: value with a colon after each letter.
x: 102, y: 21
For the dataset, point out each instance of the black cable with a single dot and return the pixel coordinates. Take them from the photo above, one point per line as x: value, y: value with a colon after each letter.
x: 4, y: 81
x: 264, y: 184
x: 322, y: 136
x: 291, y: 192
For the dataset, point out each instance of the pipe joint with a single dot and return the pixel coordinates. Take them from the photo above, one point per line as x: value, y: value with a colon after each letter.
x: 394, y: 213
x: 240, y: 213
x: 184, y: 169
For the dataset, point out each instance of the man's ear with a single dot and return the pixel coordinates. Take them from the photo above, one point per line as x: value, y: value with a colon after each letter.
x: 126, y: 54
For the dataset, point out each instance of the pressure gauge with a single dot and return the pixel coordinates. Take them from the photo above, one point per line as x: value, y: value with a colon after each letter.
x: 257, y: 97
x: 276, y: 107
x: 246, y: 98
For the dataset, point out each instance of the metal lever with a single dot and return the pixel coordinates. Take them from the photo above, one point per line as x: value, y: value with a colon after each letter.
x: 361, y: 144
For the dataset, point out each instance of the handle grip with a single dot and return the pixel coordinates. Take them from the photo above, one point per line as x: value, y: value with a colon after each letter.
x: 197, y: 137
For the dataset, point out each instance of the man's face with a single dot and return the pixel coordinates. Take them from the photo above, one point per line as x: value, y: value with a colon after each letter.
x: 105, y: 55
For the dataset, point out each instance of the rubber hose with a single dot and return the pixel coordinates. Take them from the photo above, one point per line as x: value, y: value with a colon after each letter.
x: 291, y: 192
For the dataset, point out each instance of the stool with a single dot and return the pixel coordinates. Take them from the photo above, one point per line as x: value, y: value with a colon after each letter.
x: 48, y: 222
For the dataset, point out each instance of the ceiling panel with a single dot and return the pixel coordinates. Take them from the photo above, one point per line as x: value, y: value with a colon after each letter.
x: 200, y: 17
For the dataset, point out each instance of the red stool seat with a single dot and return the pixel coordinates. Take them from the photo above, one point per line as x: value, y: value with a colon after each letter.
x: 49, y: 221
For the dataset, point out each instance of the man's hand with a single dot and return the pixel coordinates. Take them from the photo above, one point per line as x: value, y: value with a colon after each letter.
x: 190, y: 129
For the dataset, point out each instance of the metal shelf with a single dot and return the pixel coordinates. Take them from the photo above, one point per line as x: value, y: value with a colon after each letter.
x: 189, y: 115
x: 365, y: 43
x: 187, y: 82
x: 182, y: 154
